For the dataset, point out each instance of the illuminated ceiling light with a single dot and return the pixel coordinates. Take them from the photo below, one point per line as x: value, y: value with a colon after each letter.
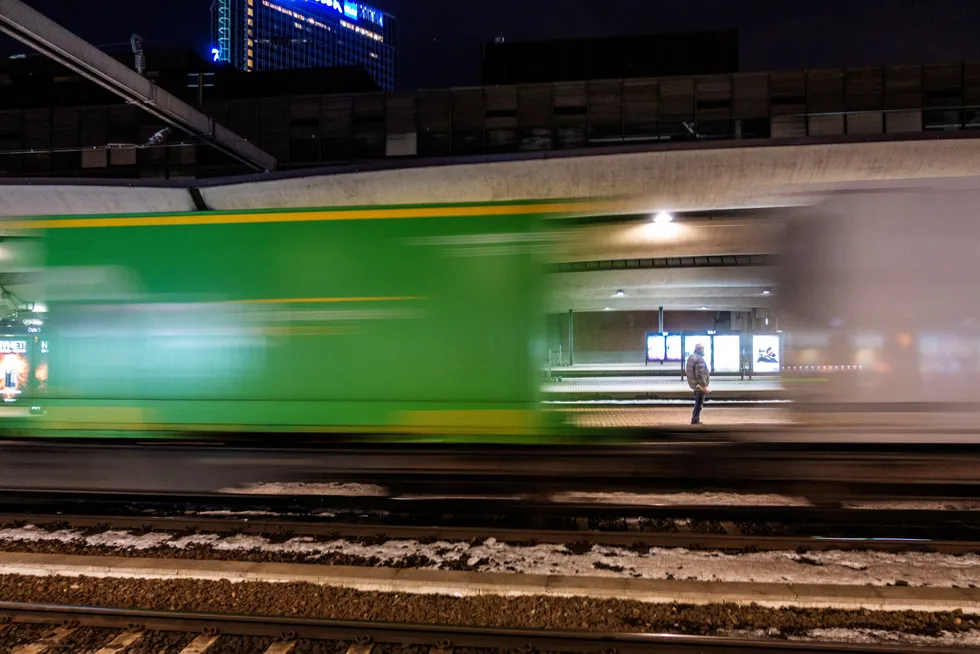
x: 620, y: 293
x: 662, y: 218
x: 608, y: 309
x: 766, y: 291
x: 40, y: 307
x: 704, y: 308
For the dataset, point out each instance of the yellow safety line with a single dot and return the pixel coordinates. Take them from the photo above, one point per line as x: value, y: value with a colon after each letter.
x: 307, y: 216
x: 313, y: 300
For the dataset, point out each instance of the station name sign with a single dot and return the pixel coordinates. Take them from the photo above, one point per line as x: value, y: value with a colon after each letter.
x: 8, y: 347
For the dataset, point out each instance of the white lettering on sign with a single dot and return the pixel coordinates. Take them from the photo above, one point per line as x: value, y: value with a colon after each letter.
x: 13, y: 346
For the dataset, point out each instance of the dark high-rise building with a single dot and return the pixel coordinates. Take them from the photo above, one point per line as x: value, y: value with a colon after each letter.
x: 618, y: 57
x: 261, y: 35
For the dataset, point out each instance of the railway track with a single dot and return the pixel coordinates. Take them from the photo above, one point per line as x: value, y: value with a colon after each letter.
x: 745, y: 528
x: 110, y: 630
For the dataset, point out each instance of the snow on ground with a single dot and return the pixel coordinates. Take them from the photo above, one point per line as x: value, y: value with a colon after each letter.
x: 867, y: 637
x: 682, y: 499
x: 954, y: 505
x: 329, y: 488
x: 831, y: 567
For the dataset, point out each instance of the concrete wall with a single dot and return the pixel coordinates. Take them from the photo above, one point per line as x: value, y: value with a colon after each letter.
x: 617, y: 336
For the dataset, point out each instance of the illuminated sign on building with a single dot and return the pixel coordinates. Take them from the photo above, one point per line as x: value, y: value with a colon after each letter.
x: 353, y: 10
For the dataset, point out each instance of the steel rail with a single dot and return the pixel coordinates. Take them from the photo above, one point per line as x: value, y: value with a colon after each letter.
x: 440, y: 637
x: 694, y: 527
x: 66, y: 501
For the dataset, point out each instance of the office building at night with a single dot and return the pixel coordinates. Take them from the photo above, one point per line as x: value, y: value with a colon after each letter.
x: 263, y: 35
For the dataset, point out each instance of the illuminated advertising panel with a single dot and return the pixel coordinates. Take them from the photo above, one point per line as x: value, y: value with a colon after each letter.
x: 727, y: 353
x: 656, y: 347
x: 674, y: 351
x: 766, y: 355
x: 690, y: 340
x: 352, y: 10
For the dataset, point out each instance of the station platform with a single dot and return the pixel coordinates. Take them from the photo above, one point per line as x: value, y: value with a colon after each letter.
x: 714, y: 415
x: 671, y: 369
x: 592, y: 389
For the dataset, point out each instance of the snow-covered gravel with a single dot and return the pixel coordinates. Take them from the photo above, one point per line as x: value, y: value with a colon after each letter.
x: 681, y: 499
x: 330, y: 488
x: 969, y: 638
x: 825, y: 567
x: 637, y: 499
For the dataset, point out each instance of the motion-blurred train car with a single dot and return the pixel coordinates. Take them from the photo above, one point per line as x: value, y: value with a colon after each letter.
x: 880, y: 300
x: 424, y: 320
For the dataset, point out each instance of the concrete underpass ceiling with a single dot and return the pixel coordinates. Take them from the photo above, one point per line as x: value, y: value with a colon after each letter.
x: 759, y: 234
x: 716, y: 288
x: 693, y: 179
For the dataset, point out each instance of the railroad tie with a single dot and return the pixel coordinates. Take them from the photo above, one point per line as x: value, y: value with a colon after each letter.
x: 46, y: 643
x: 282, y: 647
x: 120, y: 642
x: 200, y: 644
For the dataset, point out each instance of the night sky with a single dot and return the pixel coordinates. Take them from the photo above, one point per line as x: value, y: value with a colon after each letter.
x: 440, y: 39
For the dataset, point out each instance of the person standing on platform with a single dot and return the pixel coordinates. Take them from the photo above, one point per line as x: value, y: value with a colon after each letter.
x: 698, y: 378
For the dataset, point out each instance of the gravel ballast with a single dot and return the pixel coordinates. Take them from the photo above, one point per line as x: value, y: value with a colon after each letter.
x: 523, y: 612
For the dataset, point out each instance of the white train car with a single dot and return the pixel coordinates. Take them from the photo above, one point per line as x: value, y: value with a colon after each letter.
x: 880, y: 303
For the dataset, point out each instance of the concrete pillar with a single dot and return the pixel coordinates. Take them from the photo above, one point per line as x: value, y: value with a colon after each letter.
x: 660, y: 316
x: 571, y: 338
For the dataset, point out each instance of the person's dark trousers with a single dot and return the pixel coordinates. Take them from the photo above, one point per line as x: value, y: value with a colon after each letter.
x: 698, y: 404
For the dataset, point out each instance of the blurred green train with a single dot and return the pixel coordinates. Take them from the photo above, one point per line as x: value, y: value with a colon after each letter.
x: 401, y: 321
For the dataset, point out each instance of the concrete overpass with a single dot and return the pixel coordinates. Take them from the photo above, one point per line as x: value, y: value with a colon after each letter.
x: 679, y: 178
x: 709, y: 179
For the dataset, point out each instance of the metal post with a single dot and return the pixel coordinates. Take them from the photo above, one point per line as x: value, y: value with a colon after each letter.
x: 660, y: 316
x: 571, y: 338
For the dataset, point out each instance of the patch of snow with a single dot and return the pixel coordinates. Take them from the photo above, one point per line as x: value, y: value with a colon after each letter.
x: 224, y: 513
x: 681, y: 499
x: 955, y: 505
x: 329, y: 488
x: 880, y: 637
x: 830, y: 567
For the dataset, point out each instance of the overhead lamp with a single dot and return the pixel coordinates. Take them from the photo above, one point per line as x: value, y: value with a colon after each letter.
x: 766, y: 291
x: 704, y: 308
x: 620, y: 293
x: 662, y: 218
x: 608, y: 309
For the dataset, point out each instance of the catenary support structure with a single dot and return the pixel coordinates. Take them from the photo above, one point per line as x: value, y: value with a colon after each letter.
x: 50, y: 39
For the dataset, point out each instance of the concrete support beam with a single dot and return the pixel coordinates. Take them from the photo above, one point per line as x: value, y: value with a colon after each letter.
x: 50, y: 39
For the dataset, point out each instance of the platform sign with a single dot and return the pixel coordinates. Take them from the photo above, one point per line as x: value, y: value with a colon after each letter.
x: 656, y: 347
x: 691, y: 340
x: 766, y: 353
x: 727, y: 348
x: 674, y: 350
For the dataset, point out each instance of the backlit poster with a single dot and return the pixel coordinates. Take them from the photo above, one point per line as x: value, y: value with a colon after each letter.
x: 690, y: 340
x: 727, y: 353
x: 656, y: 347
x: 14, y: 369
x: 674, y: 351
x: 766, y: 355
